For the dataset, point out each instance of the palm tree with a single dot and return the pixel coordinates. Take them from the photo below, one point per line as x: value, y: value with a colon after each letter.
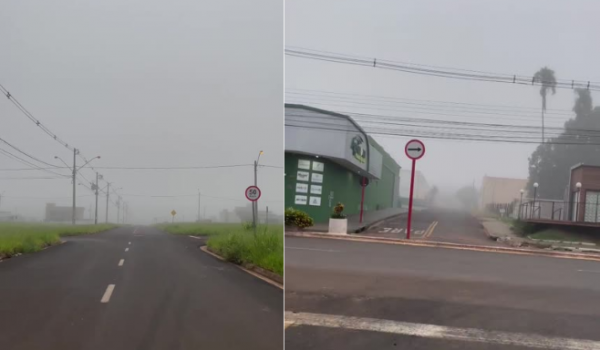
x: 546, y: 78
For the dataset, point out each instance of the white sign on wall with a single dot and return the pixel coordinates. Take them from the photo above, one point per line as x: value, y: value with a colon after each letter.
x: 318, y: 166
x: 301, y: 188
x: 316, y: 189
x: 316, y: 201
x: 318, y: 178
x: 303, y: 175
x: 303, y: 164
x: 300, y: 200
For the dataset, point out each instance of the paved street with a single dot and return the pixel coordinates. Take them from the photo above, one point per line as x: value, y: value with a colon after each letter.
x: 442, y: 225
x: 356, y: 295
x: 134, y: 288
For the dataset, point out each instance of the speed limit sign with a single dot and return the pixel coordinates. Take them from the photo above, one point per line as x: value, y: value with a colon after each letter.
x: 253, y: 193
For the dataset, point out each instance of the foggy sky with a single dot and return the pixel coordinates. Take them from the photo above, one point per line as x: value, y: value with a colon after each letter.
x: 514, y: 37
x: 149, y: 84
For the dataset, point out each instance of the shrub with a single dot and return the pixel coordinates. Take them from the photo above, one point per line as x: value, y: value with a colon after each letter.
x: 298, y: 218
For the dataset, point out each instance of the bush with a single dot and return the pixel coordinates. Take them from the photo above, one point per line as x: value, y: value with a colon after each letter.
x: 297, y: 218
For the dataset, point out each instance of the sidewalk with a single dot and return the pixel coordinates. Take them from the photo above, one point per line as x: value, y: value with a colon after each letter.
x: 496, y: 229
x: 369, y: 218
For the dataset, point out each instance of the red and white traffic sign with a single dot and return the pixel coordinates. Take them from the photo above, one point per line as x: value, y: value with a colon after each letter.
x: 415, y: 150
x: 253, y: 193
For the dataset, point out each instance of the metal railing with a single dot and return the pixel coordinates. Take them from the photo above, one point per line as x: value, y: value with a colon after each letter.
x: 556, y: 210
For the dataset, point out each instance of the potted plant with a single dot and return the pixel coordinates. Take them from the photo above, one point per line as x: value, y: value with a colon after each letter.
x: 338, y: 223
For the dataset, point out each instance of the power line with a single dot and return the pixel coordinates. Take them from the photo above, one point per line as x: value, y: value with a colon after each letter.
x: 26, y: 162
x: 444, y: 72
x: 443, y: 135
x: 27, y: 154
x: 30, y: 116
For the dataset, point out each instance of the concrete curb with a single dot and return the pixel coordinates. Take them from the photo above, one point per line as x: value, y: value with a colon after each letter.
x: 430, y: 244
x: 265, y: 275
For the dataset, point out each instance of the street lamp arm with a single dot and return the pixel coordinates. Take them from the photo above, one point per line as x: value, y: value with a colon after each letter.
x: 65, y: 163
x: 88, y: 162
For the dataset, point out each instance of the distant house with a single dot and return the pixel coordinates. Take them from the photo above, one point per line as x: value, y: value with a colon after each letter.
x: 421, y: 188
x: 55, y: 213
x: 500, y: 190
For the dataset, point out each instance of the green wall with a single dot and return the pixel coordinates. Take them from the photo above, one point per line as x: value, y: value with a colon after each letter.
x: 379, y: 194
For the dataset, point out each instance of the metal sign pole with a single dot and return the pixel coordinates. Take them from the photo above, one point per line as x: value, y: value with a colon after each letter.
x: 410, y: 200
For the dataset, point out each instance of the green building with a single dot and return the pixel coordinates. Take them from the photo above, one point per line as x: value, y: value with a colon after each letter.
x: 328, y: 157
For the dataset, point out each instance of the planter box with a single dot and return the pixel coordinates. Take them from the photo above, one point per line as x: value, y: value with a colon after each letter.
x: 338, y: 226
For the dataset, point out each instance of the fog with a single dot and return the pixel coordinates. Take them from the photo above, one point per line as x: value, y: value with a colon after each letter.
x: 143, y: 84
x: 513, y: 37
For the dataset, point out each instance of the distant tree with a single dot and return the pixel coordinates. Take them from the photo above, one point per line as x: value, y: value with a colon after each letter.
x: 468, y: 197
x: 431, y: 195
x: 546, y: 78
x: 550, y: 164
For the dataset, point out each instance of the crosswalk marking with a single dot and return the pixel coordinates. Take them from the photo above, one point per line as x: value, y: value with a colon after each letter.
x: 440, y: 332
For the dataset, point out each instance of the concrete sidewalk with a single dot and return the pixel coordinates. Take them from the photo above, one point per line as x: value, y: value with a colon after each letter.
x: 369, y: 218
x: 496, y: 229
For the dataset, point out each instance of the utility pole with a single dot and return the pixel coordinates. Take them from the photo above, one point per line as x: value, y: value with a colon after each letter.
x: 96, y: 216
x: 267, y: 220
x: 107, y: 194
x: 74, y: 183
x: 119, y: 210
x: 199, y: 195
x: 255, y: 203
x: 1, y: 198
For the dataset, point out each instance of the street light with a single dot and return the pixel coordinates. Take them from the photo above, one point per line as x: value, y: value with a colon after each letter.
x: 255, y: 203
x: 535, y: 187
x: 577, y: 195
x: 75, y: 169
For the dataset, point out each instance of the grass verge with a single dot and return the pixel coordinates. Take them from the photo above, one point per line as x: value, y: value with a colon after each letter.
x: 237, y: 243
x: 19, y: 238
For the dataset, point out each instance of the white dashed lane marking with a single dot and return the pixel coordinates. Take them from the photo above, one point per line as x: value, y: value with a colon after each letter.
x: 126, y: 249
x: 107, y: 294
x: 121, y: 262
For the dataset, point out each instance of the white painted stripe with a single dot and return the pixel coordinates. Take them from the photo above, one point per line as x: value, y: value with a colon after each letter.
x: 121, y: 262
x: 590, y: 271
x: 196, y: 237
x: 440, y: 332
x: 126, y: 249
x: 314, y: 249
x: 108, y: 293
x: 129, y: 243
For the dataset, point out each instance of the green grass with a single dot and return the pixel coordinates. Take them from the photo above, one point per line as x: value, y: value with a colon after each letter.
x: 238, y: 243
x: 16, y: 238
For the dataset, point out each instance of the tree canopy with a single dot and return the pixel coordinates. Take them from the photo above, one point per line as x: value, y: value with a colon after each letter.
x: 550, y: 164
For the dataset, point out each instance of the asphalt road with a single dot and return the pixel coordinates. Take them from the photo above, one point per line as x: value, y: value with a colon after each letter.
x: 442, y: 225
x: 167, y: 294
x: 356, y: 295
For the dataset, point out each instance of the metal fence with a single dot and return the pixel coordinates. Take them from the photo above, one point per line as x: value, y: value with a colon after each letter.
x: 541, y: 209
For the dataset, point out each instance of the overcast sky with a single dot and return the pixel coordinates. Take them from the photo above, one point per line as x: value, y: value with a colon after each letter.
x: 144, y: 84
x: 505, y: 36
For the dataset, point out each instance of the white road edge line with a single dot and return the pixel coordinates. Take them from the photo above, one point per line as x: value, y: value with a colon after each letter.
x: 126, y: 249
x: 108, y: 293
x: 196, y: 237
x: 590, y: 271
x: 314, y: 249
x: 440, y: 332
x: 121, y: 262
